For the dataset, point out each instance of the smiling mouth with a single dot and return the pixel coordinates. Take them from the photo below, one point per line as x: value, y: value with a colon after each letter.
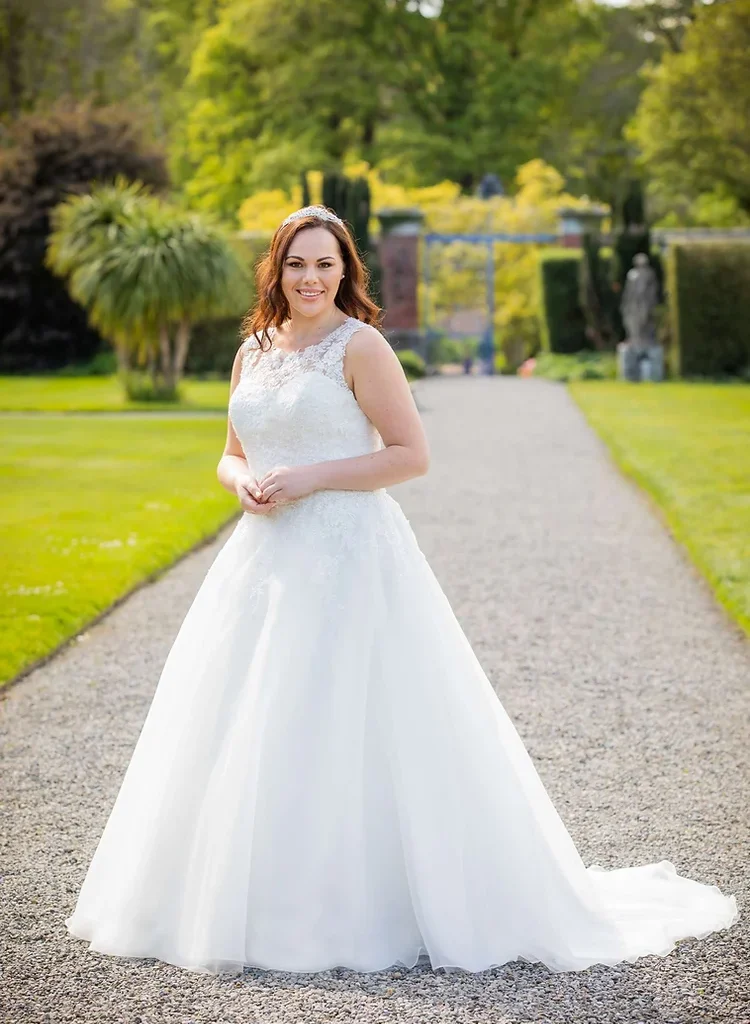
x: 309, y: 295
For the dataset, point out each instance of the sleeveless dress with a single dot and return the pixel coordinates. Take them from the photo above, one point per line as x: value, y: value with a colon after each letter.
x: 325, y: 776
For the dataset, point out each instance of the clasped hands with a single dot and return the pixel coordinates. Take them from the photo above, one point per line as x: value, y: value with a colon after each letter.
x: 277, y: 487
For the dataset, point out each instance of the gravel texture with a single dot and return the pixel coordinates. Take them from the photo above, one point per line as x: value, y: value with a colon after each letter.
x: 627, y: 682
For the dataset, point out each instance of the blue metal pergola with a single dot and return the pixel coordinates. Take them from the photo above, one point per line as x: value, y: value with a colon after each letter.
x: 488, y: 240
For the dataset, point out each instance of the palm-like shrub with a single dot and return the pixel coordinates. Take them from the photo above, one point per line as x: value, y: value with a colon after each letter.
x: 145, y: 271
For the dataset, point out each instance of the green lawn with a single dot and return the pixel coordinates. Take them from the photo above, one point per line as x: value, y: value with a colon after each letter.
x: 688, y: 445
x: 99, y: 394
x: 105, y: 394
x: 91, y: 507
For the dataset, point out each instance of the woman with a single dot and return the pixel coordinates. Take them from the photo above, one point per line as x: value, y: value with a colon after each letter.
x: 325, y: 776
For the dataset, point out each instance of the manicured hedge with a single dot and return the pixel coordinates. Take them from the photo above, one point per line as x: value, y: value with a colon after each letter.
x: 709, y: 307
x: 561, y: 318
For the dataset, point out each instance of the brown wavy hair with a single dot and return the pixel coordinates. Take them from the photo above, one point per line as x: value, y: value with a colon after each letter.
x: 271, y: 307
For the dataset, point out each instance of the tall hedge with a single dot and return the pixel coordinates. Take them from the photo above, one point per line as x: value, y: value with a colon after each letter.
x: 596, y: 295
x: 709, y: 307
x: 562, y: 323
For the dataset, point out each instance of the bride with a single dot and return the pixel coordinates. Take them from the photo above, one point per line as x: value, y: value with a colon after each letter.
x: 325, y: 776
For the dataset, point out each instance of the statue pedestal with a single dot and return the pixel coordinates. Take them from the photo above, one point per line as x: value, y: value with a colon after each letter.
x: 641, y: 363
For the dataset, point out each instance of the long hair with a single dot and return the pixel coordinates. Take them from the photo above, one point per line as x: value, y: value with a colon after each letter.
x: 271, y: 307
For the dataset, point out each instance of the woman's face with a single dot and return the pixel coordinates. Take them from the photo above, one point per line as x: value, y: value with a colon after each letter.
x: 312, y: 272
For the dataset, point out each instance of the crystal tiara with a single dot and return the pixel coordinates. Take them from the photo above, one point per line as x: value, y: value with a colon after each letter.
x: 312, y: 211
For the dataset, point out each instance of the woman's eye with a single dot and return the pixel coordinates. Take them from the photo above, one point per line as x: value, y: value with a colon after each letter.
x: 295, y: 264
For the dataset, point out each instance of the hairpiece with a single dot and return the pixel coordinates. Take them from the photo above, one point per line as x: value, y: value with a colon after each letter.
x: 312, y: 211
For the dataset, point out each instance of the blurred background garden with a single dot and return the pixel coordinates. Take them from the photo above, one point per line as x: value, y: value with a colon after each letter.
x: 500, y: 165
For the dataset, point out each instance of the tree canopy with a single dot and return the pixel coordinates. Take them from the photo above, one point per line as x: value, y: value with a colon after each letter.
x: 244, y: 94
x: 693, y: 123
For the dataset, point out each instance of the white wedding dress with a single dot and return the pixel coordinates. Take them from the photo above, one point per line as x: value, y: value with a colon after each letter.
x: 325, y: 776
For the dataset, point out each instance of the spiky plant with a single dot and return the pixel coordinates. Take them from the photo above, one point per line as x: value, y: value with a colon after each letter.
x: 145, y: 271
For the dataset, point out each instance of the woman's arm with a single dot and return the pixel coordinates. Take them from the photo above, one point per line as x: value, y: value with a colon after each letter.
x: 376, y: 377
x: 233, y: 472
x: 382, y: 391
x: 232, y: 461
x: 379, y: 383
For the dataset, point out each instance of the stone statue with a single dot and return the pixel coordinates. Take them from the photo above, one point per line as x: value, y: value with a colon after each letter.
x: 639, y: 299
x: 640, y: 357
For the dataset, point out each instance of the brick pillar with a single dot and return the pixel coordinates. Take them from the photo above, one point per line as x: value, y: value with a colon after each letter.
x: 575, y: 221
x: 398, y: 251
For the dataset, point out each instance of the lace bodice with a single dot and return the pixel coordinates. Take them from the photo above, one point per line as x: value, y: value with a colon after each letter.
x: 274, y: 366
x: 296, y: 408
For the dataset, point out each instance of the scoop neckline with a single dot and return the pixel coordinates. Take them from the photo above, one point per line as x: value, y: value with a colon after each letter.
x: 298, y: 351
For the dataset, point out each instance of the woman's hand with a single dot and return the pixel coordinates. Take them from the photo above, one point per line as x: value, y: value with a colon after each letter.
x: 250, y: 496
x: 287, y: 483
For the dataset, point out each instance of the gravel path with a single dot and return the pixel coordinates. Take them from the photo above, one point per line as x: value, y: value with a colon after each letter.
x: 626, y: 681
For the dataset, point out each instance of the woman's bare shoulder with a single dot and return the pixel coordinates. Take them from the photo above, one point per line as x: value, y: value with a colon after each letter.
x: 368, y: 339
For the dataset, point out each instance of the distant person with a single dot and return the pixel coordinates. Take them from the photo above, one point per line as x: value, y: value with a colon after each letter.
x: 486, y: 351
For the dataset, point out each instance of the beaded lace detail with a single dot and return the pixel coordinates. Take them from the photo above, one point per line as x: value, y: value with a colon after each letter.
x: 273, y: 366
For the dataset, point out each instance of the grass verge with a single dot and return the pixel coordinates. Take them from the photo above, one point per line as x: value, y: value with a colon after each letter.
x: 579, y: 366
x: 688, y: 445
x: 102, y: 394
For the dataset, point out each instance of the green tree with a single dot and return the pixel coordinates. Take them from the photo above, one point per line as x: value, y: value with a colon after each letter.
x: 95, y: 50
x: 425, y: 92
x: 48, y: 49
x: 277, y: 86
x: 472, y: 88
x: 603, y: 53
x: 693, y: 122
x: 667, y: 20
x: 145, y: 271
x: 103, y: 52
x: 49, y: 156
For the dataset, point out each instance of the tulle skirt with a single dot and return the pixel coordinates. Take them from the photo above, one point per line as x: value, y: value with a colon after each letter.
x: 325, y: 777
